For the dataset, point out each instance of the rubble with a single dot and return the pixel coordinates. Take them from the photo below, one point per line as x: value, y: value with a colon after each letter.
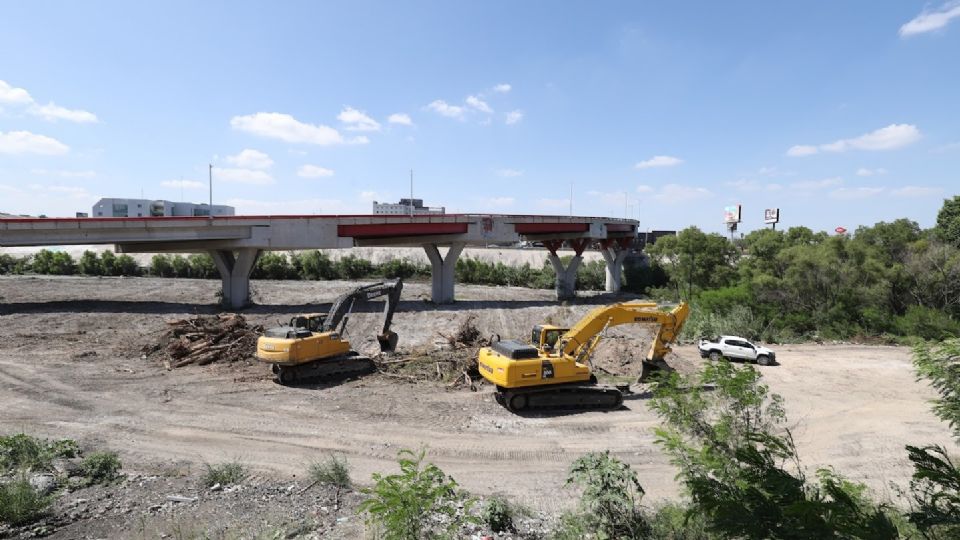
x: 204, y: 339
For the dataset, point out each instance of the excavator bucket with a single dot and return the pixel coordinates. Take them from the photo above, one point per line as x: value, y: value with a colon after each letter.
x: 388, y: 341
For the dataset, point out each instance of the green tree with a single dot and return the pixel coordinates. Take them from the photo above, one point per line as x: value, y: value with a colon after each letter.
x: 180, y: 266
x: 610, y: 502
x: 90, y: 264
x: 726, y: 434
x: 125, y: 265
x: 948, y: 221
x: 202, y: 266
x: 161, y: 266
x: 696, y: 261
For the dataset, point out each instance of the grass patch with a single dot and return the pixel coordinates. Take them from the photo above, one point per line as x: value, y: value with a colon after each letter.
x: 225, y: 474
x: 100, y: 467
x: 20, y: 503
x: 333, y: 471
x: 23, y: 452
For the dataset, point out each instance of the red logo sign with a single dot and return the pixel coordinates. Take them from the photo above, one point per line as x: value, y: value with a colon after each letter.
x: 840, y: 230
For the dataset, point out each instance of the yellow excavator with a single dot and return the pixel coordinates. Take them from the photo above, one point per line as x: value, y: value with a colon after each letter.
x: 554, y: 372
x: 312, y: 347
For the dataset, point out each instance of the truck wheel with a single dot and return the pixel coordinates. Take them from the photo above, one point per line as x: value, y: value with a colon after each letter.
x: 715, y: 356
x: 763, y: 360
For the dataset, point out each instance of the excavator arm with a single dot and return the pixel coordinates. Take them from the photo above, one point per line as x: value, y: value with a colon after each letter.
x: 581, y: 340
x: 336, y: 318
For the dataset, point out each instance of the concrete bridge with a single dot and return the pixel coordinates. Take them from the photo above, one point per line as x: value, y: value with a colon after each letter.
x: 235, y: 242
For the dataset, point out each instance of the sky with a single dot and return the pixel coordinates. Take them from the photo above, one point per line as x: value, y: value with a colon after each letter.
x: 838, y: 113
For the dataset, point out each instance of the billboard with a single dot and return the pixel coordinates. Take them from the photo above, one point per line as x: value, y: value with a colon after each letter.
x: 731, y: 214
x: 771, y: 215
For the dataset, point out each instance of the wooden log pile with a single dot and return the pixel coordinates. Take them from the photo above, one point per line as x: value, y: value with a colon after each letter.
x: 205, y: 339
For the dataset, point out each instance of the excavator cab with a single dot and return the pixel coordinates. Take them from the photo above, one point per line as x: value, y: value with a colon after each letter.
x: 546, y: 336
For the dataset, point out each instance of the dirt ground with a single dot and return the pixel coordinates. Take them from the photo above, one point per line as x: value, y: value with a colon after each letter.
x: 71, y: 366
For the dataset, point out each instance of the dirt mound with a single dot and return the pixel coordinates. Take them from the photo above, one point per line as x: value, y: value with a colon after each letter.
x: 204, y: 339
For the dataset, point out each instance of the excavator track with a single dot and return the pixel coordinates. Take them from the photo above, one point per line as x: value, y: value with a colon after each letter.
x: 564, y: 397
x: 337, y: 367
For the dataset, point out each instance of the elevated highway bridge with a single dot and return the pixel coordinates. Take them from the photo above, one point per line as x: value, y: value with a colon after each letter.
x: 236, y: 242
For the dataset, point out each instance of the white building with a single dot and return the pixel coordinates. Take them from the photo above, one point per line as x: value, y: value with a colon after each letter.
x: 405, y: 207
x: 146, y: 208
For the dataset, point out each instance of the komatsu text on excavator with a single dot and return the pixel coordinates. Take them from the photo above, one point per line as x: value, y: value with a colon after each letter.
x: 312, y: 346
x: 554, y: 372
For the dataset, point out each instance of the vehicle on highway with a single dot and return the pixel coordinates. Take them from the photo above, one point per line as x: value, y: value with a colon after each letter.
x: 735, y: 348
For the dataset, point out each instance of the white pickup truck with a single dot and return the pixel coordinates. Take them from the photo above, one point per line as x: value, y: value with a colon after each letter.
x: 735, y: 348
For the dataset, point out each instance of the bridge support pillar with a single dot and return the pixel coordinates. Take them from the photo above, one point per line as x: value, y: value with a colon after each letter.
x: 235, y: 269
x: 614, y: 251
x: 566, y: 283
x: 442, y: 271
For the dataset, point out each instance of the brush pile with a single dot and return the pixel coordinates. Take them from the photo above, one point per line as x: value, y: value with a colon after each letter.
x: 454, y: 364
x: 205, y: 339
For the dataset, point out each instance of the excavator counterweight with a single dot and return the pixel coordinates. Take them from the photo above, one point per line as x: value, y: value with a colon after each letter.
x: 312, y: 346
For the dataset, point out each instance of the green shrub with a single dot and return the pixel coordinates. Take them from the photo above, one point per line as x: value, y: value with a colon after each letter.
x: 161, y: 266
x: 420, y: 502
x: 90, y: 264
x: 333, y: 471
x: 126, y: 266
x: 315, y: 265
x: 675, y: 522
x: 273, y: 266
x: 57, y: 263
x: 23, y: 452
x: 927, y: 323
x: 610, y: 503
x: 592, y: 276
x: 403, y: 269
x: 352, y: 267
x: 181, y: 268
x: 498, y: 514
x: 224, y: 474
x: 7, y: 263
x: 202, y: 266
x: 20, y: 503
x: 100, y: 467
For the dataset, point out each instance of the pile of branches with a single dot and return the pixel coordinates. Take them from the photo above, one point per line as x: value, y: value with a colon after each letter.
x: 205, y: 339
x: 453, y: 368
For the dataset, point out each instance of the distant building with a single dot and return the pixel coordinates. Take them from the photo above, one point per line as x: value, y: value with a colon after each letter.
x: 147, y: 208
x: 82, y: 214
x: 404, y: 207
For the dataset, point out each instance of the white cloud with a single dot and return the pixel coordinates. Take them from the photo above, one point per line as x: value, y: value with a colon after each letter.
x: 916, y: 191
x: 658, y: 161
x: 509, y: 173
x: 478, y: 104
x: 313, y: 171
x: 443, y: 108
x: 14, y: 96
x: 369, y: 196
x: 53, y: 112
x: 250, y: 159
x: 64, y: 173
x: 356, y: 120
x: 287, y: 128
x: 183, y: 184
x: 856, y: 193
x: 502, y: 88
x: 817, y: 184
x: 801, y: 150
x: 24, y: 142
x: 400, y: 118
x: 643, y: 188
x: 242, y: 176
x: 863, y: 171
x: 886, y: 138
x: 293, y: 207
x: 930, y: 20
x: 513, y: 117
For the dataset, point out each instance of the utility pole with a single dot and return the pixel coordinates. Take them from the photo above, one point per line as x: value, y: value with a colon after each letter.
x: 210, y: 214
x: 571, y: 199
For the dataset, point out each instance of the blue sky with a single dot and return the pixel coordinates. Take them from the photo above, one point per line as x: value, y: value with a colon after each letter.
x: 839, y: 113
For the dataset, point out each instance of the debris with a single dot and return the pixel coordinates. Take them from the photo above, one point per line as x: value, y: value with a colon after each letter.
x: 181, y: 499
x: 205, y: 339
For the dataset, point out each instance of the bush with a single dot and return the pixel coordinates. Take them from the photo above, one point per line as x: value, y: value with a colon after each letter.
x: 927, y: 323
x: 610, y: 503
x: 7, y: 263
x: 224, y: 474
x: 181, y: 268
x: 592, y: 276
x: 420, y: 502
x: 90, y: 264
x: 352, y: 267
x: 675, y: 522
x: 202, y: 266
x: 334, y: 471
x: 315, y: 265
x: 403, y: 269
x: 161, y: 266
x: 273, y: 266
x: 20, y: 503
x: 498, y: 514
x: 57, y: 263
x: 100, y: 467
x: 23, y: 452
